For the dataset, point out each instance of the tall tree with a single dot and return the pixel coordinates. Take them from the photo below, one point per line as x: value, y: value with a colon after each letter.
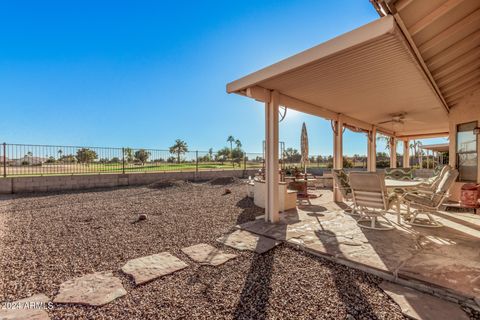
x: 238, y: 143
x: 60, y: 152
x: 386, y: 140
x: 415, y: 146
x: 210, y: 153
x: 128, y: 154
x: 179, y: 148
x: 231, y: 139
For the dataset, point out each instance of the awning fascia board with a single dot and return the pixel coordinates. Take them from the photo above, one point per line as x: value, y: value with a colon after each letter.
x: 263, y: 95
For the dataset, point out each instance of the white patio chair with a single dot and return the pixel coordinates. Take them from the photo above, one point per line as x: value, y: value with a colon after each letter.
x: 428, y: 203
x: 371, y: 199
x: 342, y: 184
x: 431, y: 184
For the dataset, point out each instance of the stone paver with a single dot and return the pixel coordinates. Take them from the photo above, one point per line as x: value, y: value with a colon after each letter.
x: 94, y: 289
x: 447, y: 257
x: 418, y: 305
x: 147, y: 268
x: 32, y: 308
x: 244, y: 240
x: 206, y: 254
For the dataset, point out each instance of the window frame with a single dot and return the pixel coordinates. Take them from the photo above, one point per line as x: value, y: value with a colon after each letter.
x: 458, y: 153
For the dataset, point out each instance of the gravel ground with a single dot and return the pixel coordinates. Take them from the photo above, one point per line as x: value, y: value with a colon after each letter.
x: 53, y: 237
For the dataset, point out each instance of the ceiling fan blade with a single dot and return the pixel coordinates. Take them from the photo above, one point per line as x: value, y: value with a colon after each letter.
x: 385, y: 122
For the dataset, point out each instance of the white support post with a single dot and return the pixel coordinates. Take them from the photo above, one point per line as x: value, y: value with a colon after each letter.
x: 406, y: 153
x: 393, y: 152
x: 271, y: 158
x: 372, y: 150
x: 337, y: 154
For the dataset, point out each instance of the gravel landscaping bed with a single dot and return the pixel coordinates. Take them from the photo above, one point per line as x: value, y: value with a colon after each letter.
x: 49, y: 238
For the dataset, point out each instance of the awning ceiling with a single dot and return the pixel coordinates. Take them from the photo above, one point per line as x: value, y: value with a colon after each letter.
x: 369, y: 74
x: 446, y: 34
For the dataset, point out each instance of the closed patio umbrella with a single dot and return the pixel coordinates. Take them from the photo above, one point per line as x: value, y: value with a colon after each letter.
x: 304, y: 146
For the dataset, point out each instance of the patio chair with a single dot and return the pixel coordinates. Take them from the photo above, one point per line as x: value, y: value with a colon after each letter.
x: 430, y: 185
x: 371, y: 199
x: 342, y: 184
x: 427, y: 203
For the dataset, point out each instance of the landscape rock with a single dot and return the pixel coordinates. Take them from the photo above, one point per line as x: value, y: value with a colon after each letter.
x: 147, y: 268
x: 206, y: 254
x: 95, y: 289
x: 245, y: 240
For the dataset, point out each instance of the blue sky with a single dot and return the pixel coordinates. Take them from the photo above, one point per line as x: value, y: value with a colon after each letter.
x: 144, y: 73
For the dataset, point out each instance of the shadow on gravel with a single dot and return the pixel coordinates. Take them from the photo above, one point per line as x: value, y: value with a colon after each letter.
x: 253, y: 302
x: 222, y: 181
x: 250, y: 210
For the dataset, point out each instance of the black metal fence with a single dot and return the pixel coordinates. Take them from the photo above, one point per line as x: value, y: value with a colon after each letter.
x: 34, y: 160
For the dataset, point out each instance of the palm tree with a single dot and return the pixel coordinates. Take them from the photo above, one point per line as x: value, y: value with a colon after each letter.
x: 415, y: 145
x: 179, y: 148
x: 386, y: 140
x: 231, y: 139
x: 60, y: 152
x: 210, y: 153
x: 238, y: 143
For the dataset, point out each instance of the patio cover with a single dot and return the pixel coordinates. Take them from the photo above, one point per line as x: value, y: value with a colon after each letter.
x: 366, y: 76
x: 441, y: 147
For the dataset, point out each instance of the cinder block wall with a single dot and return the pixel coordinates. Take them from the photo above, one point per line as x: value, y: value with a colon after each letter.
x: 78, y: 182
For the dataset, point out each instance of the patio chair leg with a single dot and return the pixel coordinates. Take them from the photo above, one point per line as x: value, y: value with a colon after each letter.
x: 432, y: 223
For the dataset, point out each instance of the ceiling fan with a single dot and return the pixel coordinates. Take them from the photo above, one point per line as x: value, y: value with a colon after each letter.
x: 396, y: 118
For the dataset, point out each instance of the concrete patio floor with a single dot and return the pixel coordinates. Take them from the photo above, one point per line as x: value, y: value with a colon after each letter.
x: 443, y: 261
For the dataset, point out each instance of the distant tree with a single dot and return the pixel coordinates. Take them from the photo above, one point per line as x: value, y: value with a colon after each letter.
x: 142, y: 155
x: 210, y: 153
x: 128, y: 154
x: 222, y: 155
x: 115, y: 160
x: 171, y: 159
x: 292, y: 155
x: 237, y: 155
x: 238, y: 143
x: 86, y: 155
x: 68, y: 159
x: 50, y: 160
x: 29, y: 154
x: 415, y: 146
x: 60, y: 152
x: 231, y: 139
x: 104, y: 160
x: 179, y: 148
x: 347, y: 163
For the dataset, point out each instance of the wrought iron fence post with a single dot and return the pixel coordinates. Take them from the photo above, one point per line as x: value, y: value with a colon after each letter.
x: 196, y: 162
x: 123, y: 160
x: 4, y: 160
x: 244, y: 164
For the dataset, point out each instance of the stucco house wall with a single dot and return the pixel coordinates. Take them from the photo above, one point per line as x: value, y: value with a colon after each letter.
x: 467, y: 110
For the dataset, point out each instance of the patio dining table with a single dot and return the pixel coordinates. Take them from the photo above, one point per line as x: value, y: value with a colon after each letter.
x: 392, y: 184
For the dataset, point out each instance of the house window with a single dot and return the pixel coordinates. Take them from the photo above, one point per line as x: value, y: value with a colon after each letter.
x: 467, y: 155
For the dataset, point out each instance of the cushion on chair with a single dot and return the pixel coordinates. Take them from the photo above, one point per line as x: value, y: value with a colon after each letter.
x: 399, y: 173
